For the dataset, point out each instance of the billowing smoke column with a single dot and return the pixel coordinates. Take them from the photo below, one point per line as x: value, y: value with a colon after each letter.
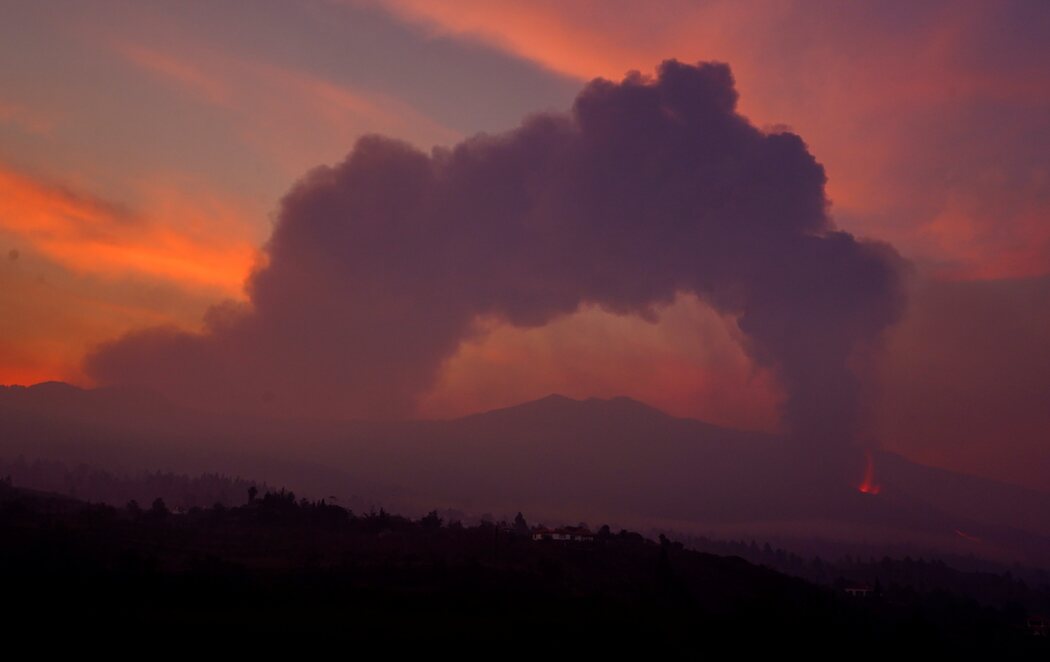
x: 379, y: 266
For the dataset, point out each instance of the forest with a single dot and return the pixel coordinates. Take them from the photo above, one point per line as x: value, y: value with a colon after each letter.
x: 278, y: 564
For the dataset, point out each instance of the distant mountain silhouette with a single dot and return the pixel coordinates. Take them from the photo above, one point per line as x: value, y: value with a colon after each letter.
x: 616, y: 460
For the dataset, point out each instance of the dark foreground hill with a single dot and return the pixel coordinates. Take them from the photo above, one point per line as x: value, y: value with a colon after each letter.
x: 278, y: 566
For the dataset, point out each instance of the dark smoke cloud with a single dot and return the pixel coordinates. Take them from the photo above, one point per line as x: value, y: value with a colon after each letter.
x: 379, y: 266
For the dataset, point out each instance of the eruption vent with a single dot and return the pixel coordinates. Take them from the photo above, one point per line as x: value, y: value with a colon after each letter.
x: 869, y: 485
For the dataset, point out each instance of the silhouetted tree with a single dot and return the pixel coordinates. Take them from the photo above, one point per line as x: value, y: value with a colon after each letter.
x: 431, y: 521
x: 521, y: 527
x: 159, y: 510
x: 252, y: 493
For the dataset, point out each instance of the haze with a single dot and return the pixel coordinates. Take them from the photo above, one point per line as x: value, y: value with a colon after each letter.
x: 334, y: 234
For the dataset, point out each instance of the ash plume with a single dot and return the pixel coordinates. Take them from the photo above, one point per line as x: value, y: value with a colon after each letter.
x: 379, y: 267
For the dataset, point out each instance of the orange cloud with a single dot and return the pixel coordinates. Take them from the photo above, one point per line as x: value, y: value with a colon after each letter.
x: 574, y: 41
x: 107, y: 263
x: 52, y: 316
x: 191, y: 77
x: 89, y: 235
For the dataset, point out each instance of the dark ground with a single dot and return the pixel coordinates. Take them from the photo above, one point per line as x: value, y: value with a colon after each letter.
x: 280, y: 567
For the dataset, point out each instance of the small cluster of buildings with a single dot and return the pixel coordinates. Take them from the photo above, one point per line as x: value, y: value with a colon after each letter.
x: 563, y: 534
x: 859, y: 590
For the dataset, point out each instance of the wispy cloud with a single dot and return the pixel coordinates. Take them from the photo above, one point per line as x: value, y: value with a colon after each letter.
x: 293, y: 117
x: 91, y: 235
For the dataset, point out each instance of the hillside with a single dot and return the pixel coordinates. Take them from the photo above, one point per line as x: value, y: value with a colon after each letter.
x: 281, y: 567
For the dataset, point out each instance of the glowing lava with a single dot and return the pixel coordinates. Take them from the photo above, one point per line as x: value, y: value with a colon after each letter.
x: 869, y: 485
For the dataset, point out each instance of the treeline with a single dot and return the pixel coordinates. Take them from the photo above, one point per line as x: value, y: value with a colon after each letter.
x: 179, y: 491
x: 279, y: 564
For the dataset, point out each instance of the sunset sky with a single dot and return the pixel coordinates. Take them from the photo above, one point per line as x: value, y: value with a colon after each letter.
x: 145, y: 148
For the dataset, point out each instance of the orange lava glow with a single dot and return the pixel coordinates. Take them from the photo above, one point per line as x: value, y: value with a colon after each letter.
x: 869, y: 485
